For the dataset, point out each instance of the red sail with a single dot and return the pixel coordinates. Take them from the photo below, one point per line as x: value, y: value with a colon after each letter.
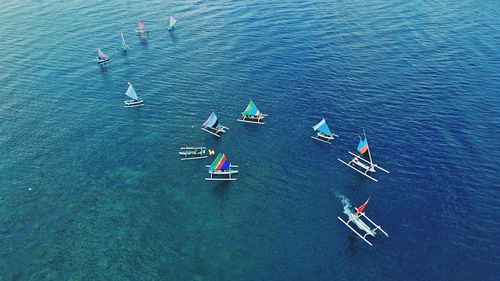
x: 362, y: 207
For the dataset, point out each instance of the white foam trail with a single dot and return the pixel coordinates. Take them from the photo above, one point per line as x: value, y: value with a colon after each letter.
x: 346, y: 203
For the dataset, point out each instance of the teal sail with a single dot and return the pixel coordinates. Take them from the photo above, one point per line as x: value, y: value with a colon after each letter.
x: 251, y: 109
x: 322, y: 127
x: 131, y: 92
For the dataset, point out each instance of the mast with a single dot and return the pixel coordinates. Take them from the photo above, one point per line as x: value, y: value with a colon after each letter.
x: 124, y: 45
x: 369, y: 153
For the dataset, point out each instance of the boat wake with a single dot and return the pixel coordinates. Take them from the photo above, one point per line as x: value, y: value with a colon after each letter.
x: 346, y: 203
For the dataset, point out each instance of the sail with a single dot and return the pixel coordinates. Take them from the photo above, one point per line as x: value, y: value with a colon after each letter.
x: 362, y: 145
x: 251, y: 109
x: 322, y: 127
x: 225, y: 166
x: 101, y: 55
x: 362, y: 207
x: 215, y: 163
x: 123, y: 40
x: 131, y: 92
x: 141, y: 26
x: 220, y: 163
x: 212, y: 121
x: 172, y: 22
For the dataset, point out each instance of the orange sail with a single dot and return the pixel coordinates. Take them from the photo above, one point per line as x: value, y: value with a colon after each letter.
x: 362, y: 207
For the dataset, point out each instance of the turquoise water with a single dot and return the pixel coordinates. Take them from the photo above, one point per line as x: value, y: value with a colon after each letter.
x: 90, y: 190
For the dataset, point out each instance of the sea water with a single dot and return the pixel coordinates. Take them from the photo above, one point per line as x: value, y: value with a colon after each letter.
x: 90, y: 190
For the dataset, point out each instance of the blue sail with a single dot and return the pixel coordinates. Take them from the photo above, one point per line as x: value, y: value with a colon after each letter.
x: 212, y: 121
x: 362, y: 145
x: 225, y: 166
x: 322, y: 127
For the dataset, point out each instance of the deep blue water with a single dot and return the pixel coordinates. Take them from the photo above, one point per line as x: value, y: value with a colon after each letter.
x: 110, y: 200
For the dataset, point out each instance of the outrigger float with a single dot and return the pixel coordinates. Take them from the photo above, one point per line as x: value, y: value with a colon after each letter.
x: 221, y: 167
x: 193, y: 153
x: 362, y: 162
x: 252, y: 114
x: 102, y: 58
x: 212, y: 126
x: 357, y: 220
x: 323, y: 132
x: 135, y: 101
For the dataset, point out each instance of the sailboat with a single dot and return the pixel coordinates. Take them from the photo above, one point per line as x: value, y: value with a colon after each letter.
x: 357, y: 219
x: 171, y: 24
x: 124, y: 45
x: 323, y: 132
x: 193, y: 152
x: 363, y: 162
x: 221, y: 167
x: 102, y: 58
x: 135, y: 101
x: 252, y: 114
x: 213, y: 126
x: 142, y: 29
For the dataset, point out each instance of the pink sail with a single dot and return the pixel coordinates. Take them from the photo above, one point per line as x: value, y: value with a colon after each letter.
x: 141, y: 25
x: 101, y: 54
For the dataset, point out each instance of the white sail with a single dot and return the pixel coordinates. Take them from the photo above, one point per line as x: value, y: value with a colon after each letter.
x: 124, y: 45
x: 131, y: 92
x: 172, y: 22
x: 123, y: 40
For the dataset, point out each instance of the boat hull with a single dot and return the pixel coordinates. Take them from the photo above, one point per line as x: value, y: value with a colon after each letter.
x: 132, y: 103
x: 101, y: 62
x: 215, y: 132
x: 253, y: 120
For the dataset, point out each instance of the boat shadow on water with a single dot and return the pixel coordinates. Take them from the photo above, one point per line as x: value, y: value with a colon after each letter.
x: 173, y: 36
x: 221, y: 189
x: 353, y: 243
x: 104, y: 68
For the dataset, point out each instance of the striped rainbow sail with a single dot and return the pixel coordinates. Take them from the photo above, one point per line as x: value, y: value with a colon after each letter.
x: 101, y: 55
x: 252, y: 109
x: 220, y: 164
x: 212, y: 122
x: 322, y: 127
